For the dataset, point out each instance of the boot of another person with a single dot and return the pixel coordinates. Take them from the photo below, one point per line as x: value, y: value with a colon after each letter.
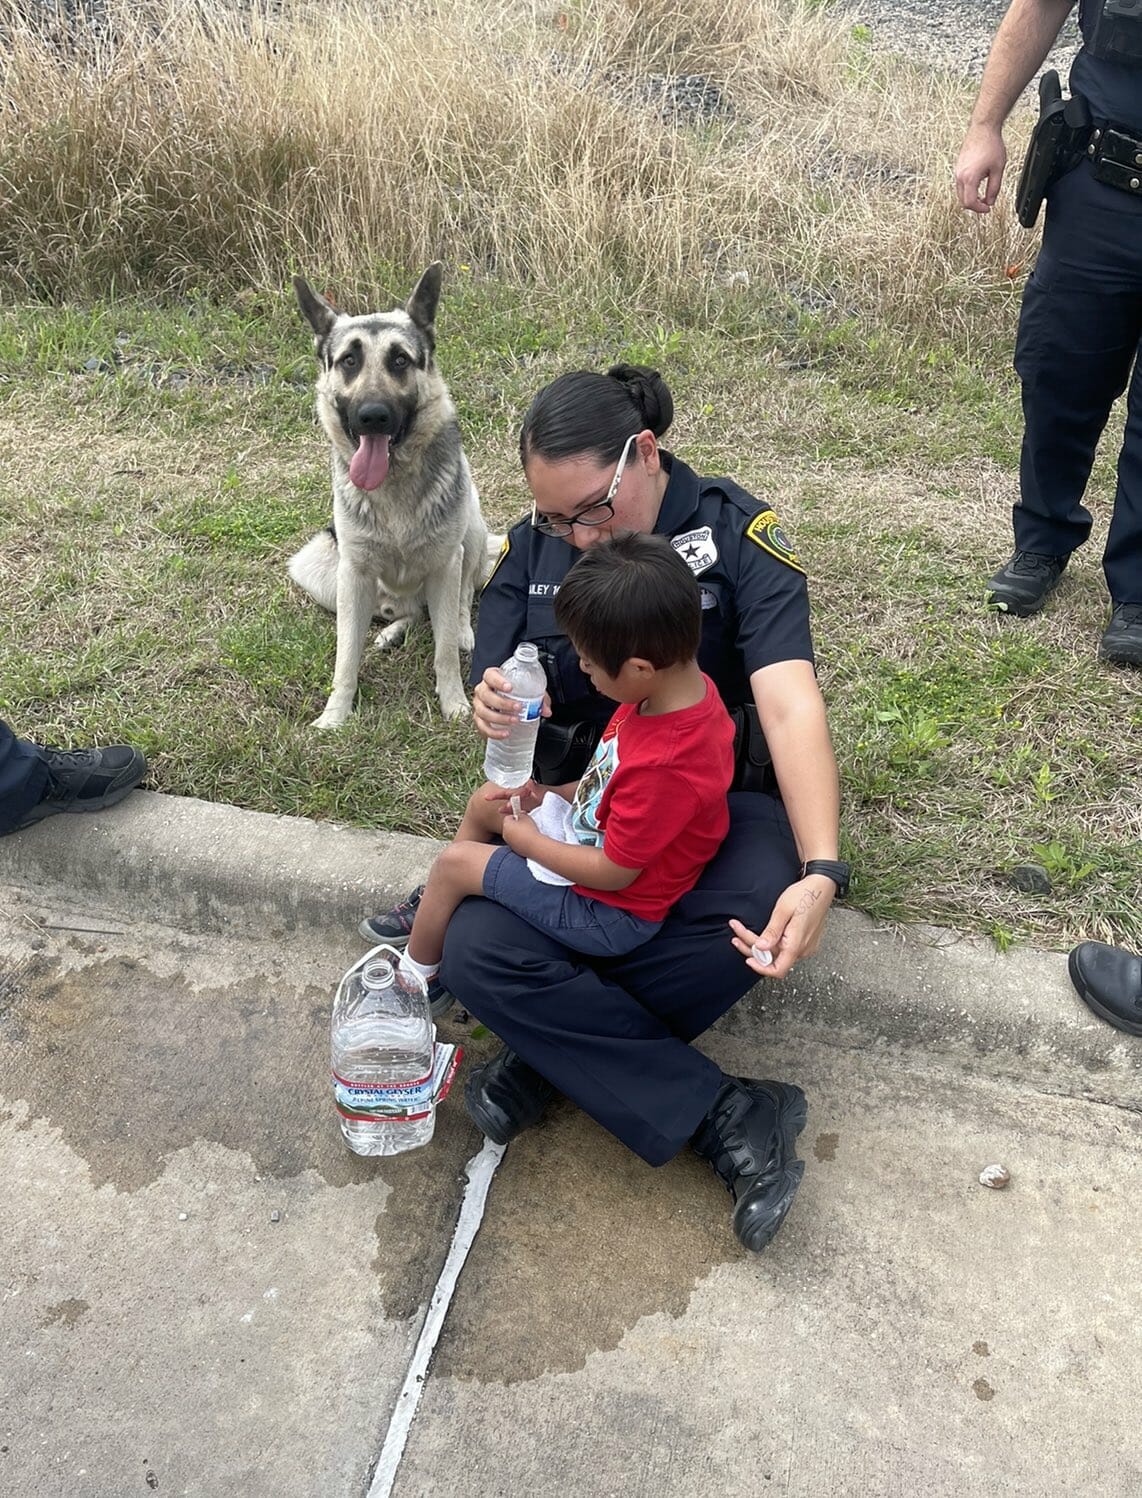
x: 1122, y: 643
x: 1021, y: 585
x: 504, y: 1096
x: 1109, y: 982
x: 749, y: 1137
x: 85, y: 780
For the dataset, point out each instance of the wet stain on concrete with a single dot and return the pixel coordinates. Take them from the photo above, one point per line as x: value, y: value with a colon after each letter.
x: 412, y: 1247
x: 571, y: 1208
x: 983, y: 1389
x: 981, y: 1349
x: 825, y: 1146
x: 66, y: 1312
x: 131, y: 1067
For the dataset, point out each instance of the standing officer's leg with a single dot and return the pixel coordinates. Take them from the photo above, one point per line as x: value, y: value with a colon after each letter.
x: 1122, y: 560
x: 1077, y: 338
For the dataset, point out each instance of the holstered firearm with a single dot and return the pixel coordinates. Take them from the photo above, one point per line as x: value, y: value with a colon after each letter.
x: 1057, y: 141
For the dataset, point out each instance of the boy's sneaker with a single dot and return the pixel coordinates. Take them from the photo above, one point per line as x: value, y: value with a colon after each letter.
x: 439, y: 999
x: 86, y: 780
x: 392, y: 926
x: 1021, y: 587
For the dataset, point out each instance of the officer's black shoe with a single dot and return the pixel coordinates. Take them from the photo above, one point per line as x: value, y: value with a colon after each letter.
x: 1109, y: 982
x: 1021, y: 587
x: 86, y: 780
x: 505, y: 1096
x: 1122, y: 642
x: 749, y: 1136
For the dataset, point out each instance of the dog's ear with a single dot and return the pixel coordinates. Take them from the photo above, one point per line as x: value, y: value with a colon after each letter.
x: 421, y: 305
x: 314, y: 308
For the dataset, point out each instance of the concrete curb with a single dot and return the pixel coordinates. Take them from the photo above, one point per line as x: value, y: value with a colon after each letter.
x: 209, y: 868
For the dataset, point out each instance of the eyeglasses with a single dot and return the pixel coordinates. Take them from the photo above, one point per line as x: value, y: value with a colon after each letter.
x: 597, y: 514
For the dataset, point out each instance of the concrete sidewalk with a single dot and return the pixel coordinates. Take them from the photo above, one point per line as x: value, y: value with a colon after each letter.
x: 165, y: 977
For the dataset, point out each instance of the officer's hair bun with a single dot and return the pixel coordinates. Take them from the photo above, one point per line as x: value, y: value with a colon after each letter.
x: 649, y: 392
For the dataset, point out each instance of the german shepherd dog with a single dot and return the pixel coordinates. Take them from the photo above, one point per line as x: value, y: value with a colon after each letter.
x: 407, y: 528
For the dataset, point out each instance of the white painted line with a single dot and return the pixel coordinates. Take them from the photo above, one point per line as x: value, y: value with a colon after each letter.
x: 480, y: 1169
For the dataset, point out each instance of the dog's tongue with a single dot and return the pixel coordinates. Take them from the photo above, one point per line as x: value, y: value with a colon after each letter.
x: 370, y: 464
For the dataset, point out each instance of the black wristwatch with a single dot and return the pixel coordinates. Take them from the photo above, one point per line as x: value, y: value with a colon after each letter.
x: 833, y: 869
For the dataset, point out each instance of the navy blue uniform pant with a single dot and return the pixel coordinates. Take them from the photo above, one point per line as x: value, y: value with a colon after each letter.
x: 23, y: 777
x: 1079, y: 333
x: 614, y: 1034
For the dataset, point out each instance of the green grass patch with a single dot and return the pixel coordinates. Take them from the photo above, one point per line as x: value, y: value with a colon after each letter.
x: 146, y: 523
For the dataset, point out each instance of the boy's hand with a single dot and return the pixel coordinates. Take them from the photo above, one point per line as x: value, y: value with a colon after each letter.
x: 523, y: 837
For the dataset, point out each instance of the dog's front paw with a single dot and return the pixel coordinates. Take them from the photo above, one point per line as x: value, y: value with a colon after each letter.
x: 330, y: 718
x: 455, y: 707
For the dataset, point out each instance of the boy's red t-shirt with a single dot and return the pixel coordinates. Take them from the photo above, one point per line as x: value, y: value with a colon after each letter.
x: 656, y: 791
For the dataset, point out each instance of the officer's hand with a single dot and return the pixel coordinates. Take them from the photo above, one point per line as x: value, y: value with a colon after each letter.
x: 528, y: 794
x: 794, y: 929
x: 492, y: 713
x: 979, y: 168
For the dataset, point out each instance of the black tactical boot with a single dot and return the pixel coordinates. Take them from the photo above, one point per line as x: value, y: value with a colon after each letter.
x: 506, y: 1096
x: 86, y: 780
x: 1122, y: 642
x: 1021, y: 587
x: 1109, y: 982
x: 749, y: 1136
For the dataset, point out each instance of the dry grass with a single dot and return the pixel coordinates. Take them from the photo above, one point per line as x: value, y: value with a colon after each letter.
x: 858, y: 382
x: 172, y: 146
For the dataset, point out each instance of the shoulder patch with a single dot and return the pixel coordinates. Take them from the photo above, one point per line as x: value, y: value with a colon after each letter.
x: 764, y: 530
x: 505, y: 547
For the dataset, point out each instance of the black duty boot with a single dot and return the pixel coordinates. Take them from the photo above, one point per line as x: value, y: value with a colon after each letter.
x: 86, y: 780
x: 1122, y: 642
x: 1021, y: 587
x: 749, y: 1136
x: 1109, y: 982
x: 506, y: 1096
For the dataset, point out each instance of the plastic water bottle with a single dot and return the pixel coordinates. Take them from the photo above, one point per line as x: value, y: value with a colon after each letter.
x: 382, y: 1052
x: 508, y: 762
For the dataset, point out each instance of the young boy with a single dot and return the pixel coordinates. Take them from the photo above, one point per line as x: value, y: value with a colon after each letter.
x: 598, y: 863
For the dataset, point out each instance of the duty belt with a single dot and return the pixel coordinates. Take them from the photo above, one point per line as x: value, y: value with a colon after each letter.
x: 1116, y: 156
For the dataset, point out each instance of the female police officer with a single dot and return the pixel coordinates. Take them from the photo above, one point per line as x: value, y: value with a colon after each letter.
x: 614, y: 1035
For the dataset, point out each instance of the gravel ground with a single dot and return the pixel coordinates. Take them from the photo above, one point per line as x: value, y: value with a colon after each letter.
x: 956, y: 36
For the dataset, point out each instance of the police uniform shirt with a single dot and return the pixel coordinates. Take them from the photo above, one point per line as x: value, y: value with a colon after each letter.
x: 755, y: 601
x: 1112, y: 89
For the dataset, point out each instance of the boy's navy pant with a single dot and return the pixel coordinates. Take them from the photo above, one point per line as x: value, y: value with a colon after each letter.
x: 1079, y: 333
x: 613, y: 1034
x: 23, y: 777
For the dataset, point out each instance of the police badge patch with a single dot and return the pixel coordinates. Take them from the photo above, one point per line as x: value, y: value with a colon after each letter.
x: 696, y: 548
x: 765, y: 530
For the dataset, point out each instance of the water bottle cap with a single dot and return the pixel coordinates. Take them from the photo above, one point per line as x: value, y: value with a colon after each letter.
x: 378, y: 974
x: 526, y: 651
